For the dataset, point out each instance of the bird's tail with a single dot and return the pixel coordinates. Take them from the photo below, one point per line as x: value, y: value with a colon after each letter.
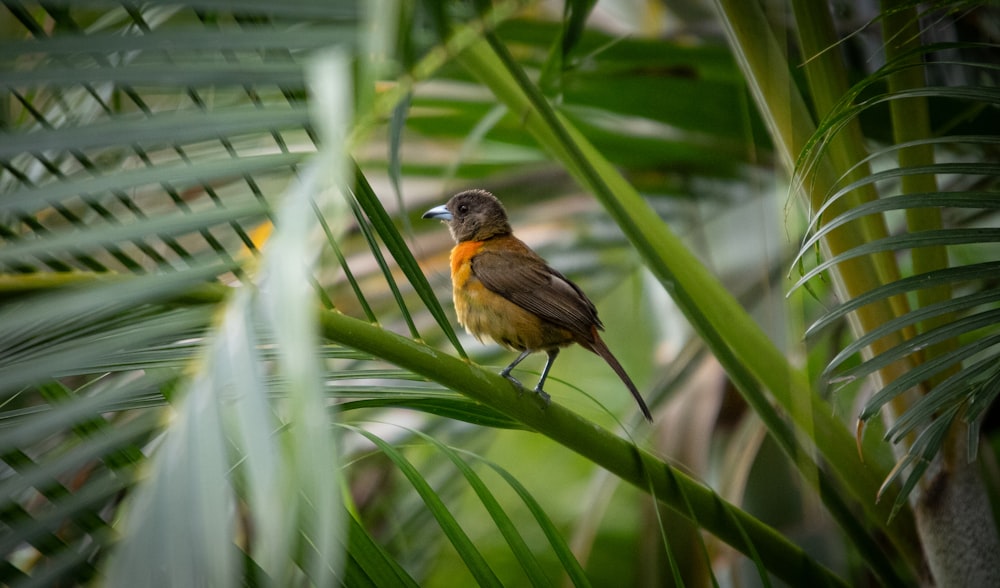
x: 598, y: 347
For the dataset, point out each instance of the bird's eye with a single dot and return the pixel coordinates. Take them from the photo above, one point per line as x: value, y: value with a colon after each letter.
x: 463, y: 208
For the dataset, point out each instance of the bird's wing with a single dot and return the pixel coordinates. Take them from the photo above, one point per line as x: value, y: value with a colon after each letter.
x: 524, y: 278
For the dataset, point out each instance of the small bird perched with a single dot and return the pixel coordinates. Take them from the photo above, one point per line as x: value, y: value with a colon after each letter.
x: 505, y: 291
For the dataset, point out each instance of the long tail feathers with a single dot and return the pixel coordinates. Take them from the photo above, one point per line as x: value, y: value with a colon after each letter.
x: 598, y: 347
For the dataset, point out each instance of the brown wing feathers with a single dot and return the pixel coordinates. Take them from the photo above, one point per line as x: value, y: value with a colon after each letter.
x: 537, y: 288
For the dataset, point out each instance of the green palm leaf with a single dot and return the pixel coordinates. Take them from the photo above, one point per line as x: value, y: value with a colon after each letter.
x: 964, y: 319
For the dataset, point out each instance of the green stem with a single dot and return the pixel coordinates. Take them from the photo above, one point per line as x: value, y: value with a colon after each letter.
x: 827, y: 79
x: 784, y: 110
x: 767, y: 71
x: 910, y: 122
x: 674, y: 489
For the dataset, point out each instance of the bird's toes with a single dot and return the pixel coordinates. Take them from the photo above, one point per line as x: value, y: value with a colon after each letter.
x: 543, y: 395
x: 515, y: 381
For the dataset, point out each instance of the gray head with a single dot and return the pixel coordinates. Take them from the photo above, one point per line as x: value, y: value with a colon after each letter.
x: 473, y: 215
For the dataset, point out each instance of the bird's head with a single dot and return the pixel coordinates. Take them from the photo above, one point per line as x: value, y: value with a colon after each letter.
x: 473, y: 215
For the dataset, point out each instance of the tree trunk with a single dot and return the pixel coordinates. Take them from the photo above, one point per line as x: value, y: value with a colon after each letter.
x: 956, y: 523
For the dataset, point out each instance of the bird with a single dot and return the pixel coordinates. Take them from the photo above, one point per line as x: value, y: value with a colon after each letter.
x: 504, y: 291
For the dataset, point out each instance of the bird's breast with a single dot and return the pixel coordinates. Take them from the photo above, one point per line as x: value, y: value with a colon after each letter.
x: 461, y: 261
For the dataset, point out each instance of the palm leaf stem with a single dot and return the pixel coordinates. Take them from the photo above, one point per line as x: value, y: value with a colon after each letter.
x: 911, y: 122
x: 827, y: 79
x: 790, y: 123
x: 784, y: 109
x: 634, y: 465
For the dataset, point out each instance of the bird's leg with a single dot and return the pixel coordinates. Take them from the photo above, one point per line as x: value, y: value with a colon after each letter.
x: 552, y: 353
x: 505, y: 372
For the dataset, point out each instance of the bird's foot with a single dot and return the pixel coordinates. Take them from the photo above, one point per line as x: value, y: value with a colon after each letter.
x: 515, y: 381
x: 520, y: 388
x: 543, y: 395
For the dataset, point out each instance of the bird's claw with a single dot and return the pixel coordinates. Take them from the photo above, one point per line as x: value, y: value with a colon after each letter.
x: 515, y: 381
x: 520, y: 388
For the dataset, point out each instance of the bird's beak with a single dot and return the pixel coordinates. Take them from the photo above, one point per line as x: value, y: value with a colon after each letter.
x: 440, y: 212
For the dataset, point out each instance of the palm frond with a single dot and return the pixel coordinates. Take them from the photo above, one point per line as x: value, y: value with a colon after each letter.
x: 949, y: 377
x: 154, y: 146
x: 284, y: 460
